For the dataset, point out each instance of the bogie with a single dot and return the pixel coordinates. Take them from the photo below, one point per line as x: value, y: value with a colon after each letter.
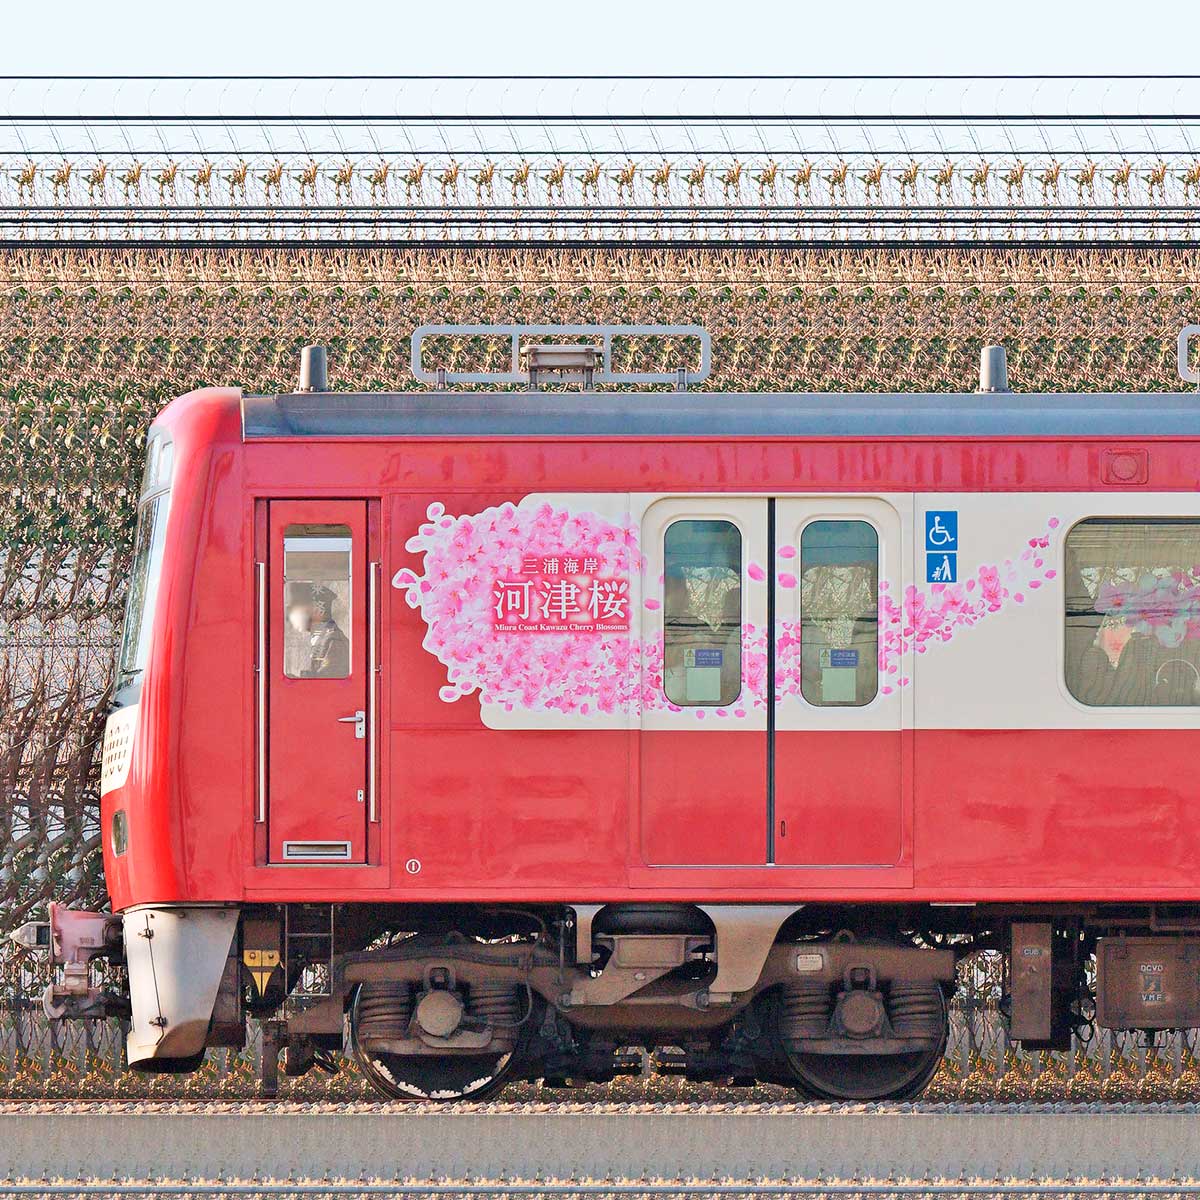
x: 442, y: 1016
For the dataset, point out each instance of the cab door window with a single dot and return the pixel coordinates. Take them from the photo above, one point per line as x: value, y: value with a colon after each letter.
x: 317, y: 574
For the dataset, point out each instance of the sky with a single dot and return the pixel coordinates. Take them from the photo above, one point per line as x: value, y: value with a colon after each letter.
x: 124, y: 37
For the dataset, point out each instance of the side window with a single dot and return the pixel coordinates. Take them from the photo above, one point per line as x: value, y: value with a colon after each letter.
x: 1132, y: 596
x: 316, y: 573
x: 839, y: 612
x: 702, y: 613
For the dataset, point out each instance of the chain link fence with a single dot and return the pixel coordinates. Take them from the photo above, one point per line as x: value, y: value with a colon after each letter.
x: 93, y: 343
x: 39, y: 1058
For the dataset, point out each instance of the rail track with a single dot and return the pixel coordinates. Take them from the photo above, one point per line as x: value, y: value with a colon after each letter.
x: 596, y: 1150
x: 860, y: 1191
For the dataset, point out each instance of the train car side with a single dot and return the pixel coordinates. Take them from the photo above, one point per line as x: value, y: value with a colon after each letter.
x: 734, y: 742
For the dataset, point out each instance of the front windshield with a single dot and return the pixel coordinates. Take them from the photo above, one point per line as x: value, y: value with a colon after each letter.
x: 143, y: 589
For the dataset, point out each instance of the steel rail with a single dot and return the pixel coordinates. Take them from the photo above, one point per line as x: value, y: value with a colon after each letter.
x: 286, y: 231
x: 691, y: 1188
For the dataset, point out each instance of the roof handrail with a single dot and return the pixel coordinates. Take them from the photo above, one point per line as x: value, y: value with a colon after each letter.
x: 681, y: 377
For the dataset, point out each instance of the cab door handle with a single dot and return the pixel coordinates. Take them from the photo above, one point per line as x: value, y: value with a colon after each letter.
x: 360, y: 722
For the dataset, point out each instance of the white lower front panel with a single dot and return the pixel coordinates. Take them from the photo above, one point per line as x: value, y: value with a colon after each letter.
x: 175, y: 956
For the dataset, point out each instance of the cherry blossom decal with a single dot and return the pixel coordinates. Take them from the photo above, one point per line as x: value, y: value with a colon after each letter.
x: 489, y: 573
x: 530, y: 607
x: 928, y: 618
x: 561, y: 593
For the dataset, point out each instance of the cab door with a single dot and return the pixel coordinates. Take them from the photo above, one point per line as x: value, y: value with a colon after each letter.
x: 318, y: 727
x: 843, y: 700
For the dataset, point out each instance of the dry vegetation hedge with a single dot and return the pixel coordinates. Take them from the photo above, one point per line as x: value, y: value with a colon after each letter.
x: 93, y: 344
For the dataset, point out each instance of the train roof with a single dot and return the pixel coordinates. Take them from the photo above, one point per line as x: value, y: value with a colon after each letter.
x: 481, y: 414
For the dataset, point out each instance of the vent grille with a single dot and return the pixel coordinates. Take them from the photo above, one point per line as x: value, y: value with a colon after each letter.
x: 323, y: 851
x: 118, y: 749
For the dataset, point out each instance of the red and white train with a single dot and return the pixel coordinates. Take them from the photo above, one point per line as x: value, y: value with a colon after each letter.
x: 527, y: 727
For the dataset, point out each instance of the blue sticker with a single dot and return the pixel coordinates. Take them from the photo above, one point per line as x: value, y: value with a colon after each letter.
x: 843, y: 658
x: 941, y: 530
x: 941, y: 568
x: 707, y: 658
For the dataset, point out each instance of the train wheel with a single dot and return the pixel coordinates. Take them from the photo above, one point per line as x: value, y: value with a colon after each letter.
x: 416, y: 1078
x: 872, y: 1076
x: 441, y: 1079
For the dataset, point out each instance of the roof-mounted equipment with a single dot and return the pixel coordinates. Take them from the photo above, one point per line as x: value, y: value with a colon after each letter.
x: 1186, y: 373
x: 584, y: 363
x: 567, y: 361
x: 993, y: 369
x: 314, y: 370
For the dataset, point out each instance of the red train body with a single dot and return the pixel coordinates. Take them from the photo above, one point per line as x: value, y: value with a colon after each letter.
x: 704, y: 721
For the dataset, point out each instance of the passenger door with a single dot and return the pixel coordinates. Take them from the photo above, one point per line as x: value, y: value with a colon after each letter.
x: 703, y: 743
x: 840, y: 764
x: 319, y: 707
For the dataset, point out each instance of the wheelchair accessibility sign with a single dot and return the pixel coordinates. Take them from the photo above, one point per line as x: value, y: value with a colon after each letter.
x: 941, y: 546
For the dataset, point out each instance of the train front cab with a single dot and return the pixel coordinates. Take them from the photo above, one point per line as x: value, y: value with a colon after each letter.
x: 180, y: 847
x: 176, y: 950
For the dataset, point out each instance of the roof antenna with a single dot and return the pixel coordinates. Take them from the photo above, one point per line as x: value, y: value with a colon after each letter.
x: 314, y: 370
x: 993, y: 369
